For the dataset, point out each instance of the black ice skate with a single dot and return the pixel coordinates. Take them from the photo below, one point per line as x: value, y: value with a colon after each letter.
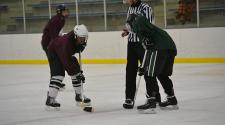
x: 158, y: 99
x: 128, y: 104
x: 81, y: 102
x: 149, y: 107
x: 51, y: 104
x: 170, y: 103
x: 62, y: 87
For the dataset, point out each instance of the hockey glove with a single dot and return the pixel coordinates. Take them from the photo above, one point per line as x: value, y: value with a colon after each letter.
x: 141, y: 71
x: 80, y: 77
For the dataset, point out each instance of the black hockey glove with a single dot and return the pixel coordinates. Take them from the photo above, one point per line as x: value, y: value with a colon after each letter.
x: 80, y: 77
x: 141, y: 71
x: 147, y: 43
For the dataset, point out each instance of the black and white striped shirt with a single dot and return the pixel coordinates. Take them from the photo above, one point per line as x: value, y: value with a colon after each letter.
x: 144, y: 10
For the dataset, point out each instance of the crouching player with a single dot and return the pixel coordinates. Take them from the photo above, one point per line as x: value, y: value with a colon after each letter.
x: 160, y: 52
x: 61, y: 59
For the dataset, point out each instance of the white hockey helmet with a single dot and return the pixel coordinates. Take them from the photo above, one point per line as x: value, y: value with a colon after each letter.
x: 81, y: 31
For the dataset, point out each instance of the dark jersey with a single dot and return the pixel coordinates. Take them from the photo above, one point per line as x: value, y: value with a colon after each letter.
x: 64, y: 47
x: 160, y: 38
x: 52, y: 30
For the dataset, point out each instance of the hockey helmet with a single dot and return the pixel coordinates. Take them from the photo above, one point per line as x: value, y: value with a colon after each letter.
x: 61, y: 8
x: 81, y: 31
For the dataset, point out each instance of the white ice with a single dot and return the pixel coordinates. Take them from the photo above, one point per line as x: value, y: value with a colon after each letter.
x: 200, y: 89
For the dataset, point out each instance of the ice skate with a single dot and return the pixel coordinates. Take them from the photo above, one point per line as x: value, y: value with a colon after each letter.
x: 51, y: 104
x: 81, y: 102
x: 149, y: 107
x: 128, y: 104
x: 158, y: 99
x: 169, y: 104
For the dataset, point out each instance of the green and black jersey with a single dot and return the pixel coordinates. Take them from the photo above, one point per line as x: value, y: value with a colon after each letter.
x: 159, y: 37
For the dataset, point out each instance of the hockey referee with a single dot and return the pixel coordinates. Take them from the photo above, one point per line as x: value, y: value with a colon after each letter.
x: 135, y: 52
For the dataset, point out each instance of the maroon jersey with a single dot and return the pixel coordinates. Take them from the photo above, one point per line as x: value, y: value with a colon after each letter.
x: 52, y: 29
x: 64, y: 47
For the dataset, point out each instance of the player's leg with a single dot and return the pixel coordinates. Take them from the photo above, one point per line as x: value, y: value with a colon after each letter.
x: 167, y: 84
x: 49, y: 57
x: 151, y: 82
x: 78, y: 87
x: 57, y: 76
x: 131, y: 73
x: 151, y: 85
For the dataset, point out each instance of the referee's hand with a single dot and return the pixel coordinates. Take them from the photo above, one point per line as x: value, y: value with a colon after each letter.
x: 125, y: 32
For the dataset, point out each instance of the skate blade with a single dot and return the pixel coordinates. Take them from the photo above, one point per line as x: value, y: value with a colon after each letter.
x: 49, y: 108
x: 147, y: 111
x: 82, y: 104
x: 170, y: 107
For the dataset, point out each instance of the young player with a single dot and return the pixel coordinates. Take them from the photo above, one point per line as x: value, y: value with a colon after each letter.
x: 135, y: 52
x: 158, y: 64
x: 53, y: 29
x: 61, y: 59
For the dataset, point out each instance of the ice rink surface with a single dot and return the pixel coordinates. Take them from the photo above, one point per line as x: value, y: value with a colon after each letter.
x: 200, y: 90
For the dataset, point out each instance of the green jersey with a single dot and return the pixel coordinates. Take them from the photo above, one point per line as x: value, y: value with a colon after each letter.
x: 160, y: 38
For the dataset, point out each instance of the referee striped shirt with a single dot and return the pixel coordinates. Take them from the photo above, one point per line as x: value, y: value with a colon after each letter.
x: 144, y: 10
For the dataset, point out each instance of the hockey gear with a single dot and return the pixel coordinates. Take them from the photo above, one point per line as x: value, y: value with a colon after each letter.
x: 56, y: 82
x: 128, y: 104
x: 62, y: 87
x: 61, y: 8
x: 82, y: 101
x: 149, y: 107
x: 81, y: 31
x: 141, y: 71
x: 139, y: 79
x: 81, y: 34
x: 170, y: 103
x: 80, y: 77
x: 51, y: 103
x: 158, y: 98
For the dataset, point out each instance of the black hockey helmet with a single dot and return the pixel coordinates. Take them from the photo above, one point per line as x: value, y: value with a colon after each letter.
x: 61, y: 8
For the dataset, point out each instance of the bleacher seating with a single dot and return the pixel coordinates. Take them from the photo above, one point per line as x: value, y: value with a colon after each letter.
x: 207, y: 8
x: 87, y: 14
x: 3, y: 7
x: 83, y: 2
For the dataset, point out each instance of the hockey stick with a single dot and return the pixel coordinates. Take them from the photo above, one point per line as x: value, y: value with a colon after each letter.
x: 139, y: 78
x: 85, y: 108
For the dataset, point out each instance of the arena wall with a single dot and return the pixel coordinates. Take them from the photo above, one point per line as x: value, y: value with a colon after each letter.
x: 197, y: 45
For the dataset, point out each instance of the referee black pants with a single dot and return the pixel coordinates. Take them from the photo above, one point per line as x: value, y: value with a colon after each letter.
x: 135, y: 53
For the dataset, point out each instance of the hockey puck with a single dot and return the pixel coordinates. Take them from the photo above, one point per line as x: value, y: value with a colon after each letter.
x: 88, y: 109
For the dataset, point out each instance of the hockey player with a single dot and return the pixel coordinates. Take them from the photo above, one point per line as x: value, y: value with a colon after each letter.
x: 160, y: 52
x: 61, y: 59
x: 135, y: 51
x: 53, y: 29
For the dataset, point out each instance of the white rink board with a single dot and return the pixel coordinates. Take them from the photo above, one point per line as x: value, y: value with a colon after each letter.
x: 191, y: 43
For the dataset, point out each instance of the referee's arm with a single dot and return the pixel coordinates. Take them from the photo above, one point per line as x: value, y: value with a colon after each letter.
x: 147, y: 11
